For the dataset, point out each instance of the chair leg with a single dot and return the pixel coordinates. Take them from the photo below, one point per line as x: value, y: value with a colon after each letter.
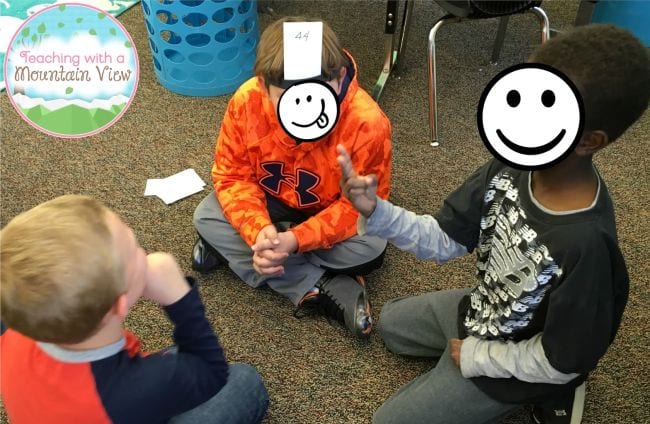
x: 406, y: 24
x: 543, y: 22
x: 389, y: 43
x: 433, y: 98
x: 501, y: 35
x: 584, y: 13
x: 503, y: 24
x: 392, y: 50
x: 385, y: 72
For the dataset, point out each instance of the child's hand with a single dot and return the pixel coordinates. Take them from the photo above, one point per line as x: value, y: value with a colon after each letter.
x: 268, y: 257
x: 165, y: 281
x: 359, y: 189
x: 269, y: 253
x: 268, y: 233
x: 454, y: 346
x: 268, y: 261
x: 288, y: 243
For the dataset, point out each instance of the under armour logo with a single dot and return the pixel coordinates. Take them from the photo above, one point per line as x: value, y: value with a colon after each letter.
x: 302, y: 183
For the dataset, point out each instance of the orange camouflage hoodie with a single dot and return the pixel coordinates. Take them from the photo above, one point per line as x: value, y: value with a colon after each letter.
x: 255, y: 156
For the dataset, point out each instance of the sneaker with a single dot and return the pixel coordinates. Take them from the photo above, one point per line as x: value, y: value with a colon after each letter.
x: 567, y: 410
x: 204, y: 257
x: 310, y: 302
x: 311, y: 298
x: 341, y: 297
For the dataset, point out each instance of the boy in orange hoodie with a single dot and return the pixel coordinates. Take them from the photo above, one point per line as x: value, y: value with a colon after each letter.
x: 277, y: 216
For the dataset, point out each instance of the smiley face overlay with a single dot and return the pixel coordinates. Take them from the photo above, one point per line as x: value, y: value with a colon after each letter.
x: 531, y: 116
x: 308, y: 110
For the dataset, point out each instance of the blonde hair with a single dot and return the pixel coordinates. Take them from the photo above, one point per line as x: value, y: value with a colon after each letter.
x: 269, y: 63
x: 59, y: 270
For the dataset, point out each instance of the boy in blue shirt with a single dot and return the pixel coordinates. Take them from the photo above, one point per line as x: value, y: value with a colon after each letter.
x: 71, y: 269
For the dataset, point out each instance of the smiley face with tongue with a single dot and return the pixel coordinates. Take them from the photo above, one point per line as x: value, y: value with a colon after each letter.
x: 308, y: 110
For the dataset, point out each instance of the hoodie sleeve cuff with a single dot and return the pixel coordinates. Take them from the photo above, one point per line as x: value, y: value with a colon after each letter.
x: 377, y: 221
x: 468, y: 366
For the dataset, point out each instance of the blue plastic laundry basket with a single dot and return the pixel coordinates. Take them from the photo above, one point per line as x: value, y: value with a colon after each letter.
x: 202, y: 47
x: 631, y: 15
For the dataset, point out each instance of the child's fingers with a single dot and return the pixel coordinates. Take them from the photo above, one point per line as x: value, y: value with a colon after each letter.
x: 359, y: 191
x: 340, y: 149
x: 263, y: 245
x: 272, y: 255
x: 269, y: 271
x: 347, y: 170
x: 354, y: 187
x: 271, y: 234
x: 357, y: 182
x: 345, y: 162
x: 263, y: 262
x: 273, y: 271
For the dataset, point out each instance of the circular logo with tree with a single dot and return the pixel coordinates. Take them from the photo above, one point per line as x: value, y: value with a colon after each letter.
x: 71, y: 70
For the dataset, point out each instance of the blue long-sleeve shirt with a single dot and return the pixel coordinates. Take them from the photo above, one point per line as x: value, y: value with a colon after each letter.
x: 119, y: 383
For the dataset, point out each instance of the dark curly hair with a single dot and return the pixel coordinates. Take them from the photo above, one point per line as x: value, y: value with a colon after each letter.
x: 611, y: 68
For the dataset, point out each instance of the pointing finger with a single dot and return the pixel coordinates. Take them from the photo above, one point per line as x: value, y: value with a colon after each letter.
x: 345, y: 162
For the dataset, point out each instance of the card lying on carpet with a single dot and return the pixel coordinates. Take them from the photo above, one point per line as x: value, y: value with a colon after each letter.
x: 14, y: 12
x: 176, y: 187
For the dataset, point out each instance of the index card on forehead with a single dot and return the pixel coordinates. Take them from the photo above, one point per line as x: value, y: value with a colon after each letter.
x: 303, y: 46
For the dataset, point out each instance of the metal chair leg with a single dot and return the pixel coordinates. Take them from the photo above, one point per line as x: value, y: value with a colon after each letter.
x: 503, y: 24
x: 433, y: 98
x: 545, y: 27
x: 404, y: 31
x: 385, y: 72
x: 501, y: 35
x: 392, y: 50
x: 389, y: 43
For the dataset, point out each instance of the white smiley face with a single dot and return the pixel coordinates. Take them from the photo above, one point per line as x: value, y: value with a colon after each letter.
x: 308, y: 110
x: 530, y: 116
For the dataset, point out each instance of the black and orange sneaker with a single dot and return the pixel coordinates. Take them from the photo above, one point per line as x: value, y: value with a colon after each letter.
x: 204, y: 257
x: 565, y: 410
x: 343, y: 298
x: 312, y: 298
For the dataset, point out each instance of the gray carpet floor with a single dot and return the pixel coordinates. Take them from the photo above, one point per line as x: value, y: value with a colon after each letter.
x: 315, y: 371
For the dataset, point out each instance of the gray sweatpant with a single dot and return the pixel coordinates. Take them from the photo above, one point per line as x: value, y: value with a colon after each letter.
x: 301, y: 271
x: 421, y: 326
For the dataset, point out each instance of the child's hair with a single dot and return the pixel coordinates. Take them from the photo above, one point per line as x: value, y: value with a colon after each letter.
x: 269, y: 63
x: 60, y: 272
x: 611, y: 68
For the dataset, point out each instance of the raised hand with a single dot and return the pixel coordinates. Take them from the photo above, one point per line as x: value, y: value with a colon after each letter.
x: 361, y: 190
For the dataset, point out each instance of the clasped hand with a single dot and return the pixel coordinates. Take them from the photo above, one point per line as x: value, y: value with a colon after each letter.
x: 271, y: 249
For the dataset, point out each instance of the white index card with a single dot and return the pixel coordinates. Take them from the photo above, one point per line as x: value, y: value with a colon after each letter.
x: 175, y: 187
x: 303, y: 46
x: 153, y: 187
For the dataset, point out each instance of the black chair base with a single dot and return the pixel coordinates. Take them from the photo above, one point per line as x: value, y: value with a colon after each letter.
x: 395, y: 41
